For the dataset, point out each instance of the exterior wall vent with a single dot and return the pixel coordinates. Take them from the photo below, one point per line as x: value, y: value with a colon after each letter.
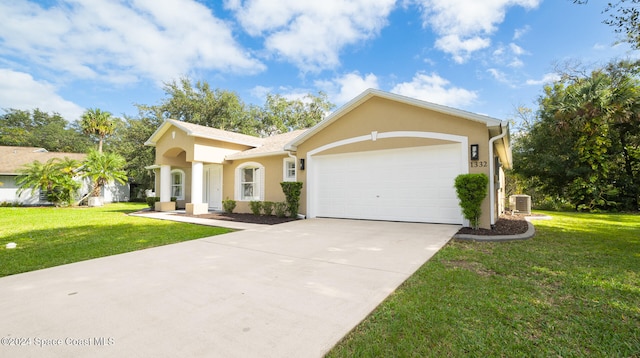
x: 520, y: 204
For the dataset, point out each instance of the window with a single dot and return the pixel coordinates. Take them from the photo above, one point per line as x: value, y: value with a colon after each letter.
x: 177, y: 184
x: 289, y: 169
x: 250, y: 182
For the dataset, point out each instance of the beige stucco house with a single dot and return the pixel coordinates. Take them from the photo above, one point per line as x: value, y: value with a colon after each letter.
x: 381, y: 156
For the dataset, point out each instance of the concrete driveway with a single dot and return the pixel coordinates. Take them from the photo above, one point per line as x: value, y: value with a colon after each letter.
x: 289, y: 290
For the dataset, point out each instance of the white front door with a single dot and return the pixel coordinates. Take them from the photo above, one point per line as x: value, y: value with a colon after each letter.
x: 212, y: 186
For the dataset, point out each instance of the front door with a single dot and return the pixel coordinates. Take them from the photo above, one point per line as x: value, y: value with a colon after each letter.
x: 212, y: 183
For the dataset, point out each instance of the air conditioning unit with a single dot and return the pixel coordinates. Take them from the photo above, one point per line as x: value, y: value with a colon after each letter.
x: 520, y: 204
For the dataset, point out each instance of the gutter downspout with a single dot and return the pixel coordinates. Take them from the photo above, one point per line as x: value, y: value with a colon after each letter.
x: 492, y: 170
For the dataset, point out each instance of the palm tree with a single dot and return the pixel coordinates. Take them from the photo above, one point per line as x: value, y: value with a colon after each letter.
x: 101, y: 169
x: 97, y: 122
x: 55, y: 177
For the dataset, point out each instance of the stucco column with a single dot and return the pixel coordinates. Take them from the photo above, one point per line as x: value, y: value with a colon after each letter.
x: 165, y: 203
x: 165, y: 183
x: 196, y: 206
x: 196, y: 182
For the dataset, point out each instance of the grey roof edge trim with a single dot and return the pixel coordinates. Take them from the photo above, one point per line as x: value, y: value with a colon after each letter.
x: 172, y: 122
x: 371, y: 92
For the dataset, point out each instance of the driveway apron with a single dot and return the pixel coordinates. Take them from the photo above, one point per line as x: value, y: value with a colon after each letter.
x: 288, y: 290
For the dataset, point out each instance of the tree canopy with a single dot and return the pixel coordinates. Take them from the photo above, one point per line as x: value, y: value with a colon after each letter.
x: 95, y: 121
x: 585, y: 143
x: 624, y: 17
x: 37, y: 128
x: 198, y: 103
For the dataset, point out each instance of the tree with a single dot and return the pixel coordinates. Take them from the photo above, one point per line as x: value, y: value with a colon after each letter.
x: 97, y: 122
x: 55, y: 177
x: 585, y: 144
x: 200, y: 104
x: 624, y: 17
x: 281, y: 115
x: 128, y: 141
x: 40, y: 129
x: 101, y: 169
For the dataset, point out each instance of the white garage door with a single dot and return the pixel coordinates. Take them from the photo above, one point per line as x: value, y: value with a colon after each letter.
x: 409, y: 184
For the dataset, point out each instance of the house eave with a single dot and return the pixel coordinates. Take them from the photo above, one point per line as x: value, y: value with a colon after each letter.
x: 370, y: 93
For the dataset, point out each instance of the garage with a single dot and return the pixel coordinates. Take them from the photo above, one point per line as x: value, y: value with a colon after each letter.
x: 406, y: 184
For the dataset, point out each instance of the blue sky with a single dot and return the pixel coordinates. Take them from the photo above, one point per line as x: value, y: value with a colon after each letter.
x: 484, y: 56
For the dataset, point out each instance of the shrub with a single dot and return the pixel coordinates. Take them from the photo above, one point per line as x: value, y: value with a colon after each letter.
x: 152, y: 200
x: 280, y: 209
x: 267, y: 207
x: 256, y: 207
x: 471, y: 190
x: 228, y: 205
x: 292, y: 191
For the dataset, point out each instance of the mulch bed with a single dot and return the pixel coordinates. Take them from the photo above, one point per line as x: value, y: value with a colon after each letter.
x: 505, y: 225
x: 245, y: 218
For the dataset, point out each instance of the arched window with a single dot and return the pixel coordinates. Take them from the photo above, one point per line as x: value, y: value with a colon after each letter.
x: 177, y: 184
x: 250, y: 182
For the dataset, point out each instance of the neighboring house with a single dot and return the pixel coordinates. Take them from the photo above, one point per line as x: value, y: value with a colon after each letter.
x: 14, y: 158
x: 381, y: 156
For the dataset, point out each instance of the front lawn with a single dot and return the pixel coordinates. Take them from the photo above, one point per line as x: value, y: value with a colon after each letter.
x: 572, y: 291
x: 47, y: 237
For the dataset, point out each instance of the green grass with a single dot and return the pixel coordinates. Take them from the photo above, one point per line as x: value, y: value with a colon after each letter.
x: 572, y: 291
x: 50, y: 236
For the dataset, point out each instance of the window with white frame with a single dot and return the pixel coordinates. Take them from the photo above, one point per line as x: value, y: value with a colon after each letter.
x: 177, y: 184
x: 250, y: 182
x: 289, y: 169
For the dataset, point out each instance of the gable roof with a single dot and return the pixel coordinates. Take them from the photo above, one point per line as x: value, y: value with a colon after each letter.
x: 370, y: 93
x: 195, y: 130
x: 273, y: 145
x: 14, y: 158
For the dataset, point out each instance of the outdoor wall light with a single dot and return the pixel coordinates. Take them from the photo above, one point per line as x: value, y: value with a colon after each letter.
x: 475, y: 154
x: 301, y: 163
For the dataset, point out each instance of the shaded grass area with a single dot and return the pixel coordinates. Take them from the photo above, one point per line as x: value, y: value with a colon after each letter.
x: 49, y: 236
x: 572, y: 291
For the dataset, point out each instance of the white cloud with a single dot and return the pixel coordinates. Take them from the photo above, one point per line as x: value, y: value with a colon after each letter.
x: 436, y: 89
x: 344, y: 88
x: 311, y: 34
x: 461, y: 49
x: 121, y: 41
x: 521, y: 32
x: 464, y: 26
x: 547, y: 78
x: 19, y: 90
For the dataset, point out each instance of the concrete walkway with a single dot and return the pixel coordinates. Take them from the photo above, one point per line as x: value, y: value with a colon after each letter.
x: 288, y: 290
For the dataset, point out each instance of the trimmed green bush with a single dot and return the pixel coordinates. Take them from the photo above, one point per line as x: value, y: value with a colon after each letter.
x: 292, y: 190
x: 280, y: 209
x: 471, y: 190
x: 228, y: 205
x: 152, y: 200
x: 267, y: 207
x: 256, y: 207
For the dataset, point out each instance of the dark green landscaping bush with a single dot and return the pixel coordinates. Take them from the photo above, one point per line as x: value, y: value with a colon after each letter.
x: 267, y: 207
x: 152, y: 200
x: 228, y: 205
x: 471, y: 190
x: 280, y: 209
x: 292, y: 190
x: 256, y: 207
